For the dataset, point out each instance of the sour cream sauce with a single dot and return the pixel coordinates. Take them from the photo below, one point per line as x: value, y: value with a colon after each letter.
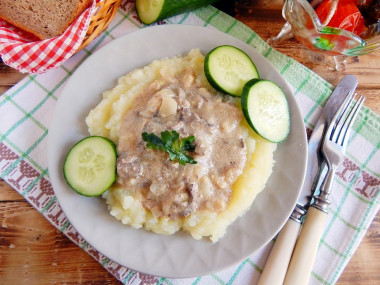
x: 180, y: 103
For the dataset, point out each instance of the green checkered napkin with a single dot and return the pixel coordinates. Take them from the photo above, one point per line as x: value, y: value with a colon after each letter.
x: 27, y: 109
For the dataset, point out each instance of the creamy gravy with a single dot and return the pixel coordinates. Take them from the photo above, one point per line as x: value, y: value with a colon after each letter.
x: 165, y: 187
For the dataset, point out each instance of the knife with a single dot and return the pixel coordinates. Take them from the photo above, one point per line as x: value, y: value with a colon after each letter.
x: 278, y: 260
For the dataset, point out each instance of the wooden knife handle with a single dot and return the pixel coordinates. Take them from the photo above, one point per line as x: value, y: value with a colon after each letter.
x: 279, y: 257
x: 306, y: 248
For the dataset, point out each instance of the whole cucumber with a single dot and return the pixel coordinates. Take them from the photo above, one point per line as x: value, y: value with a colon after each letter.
x: 150, y: 11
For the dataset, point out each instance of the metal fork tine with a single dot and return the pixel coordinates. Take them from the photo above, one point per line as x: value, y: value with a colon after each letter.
x: 338, y: 135
x: 338, y: 117
x: 350, y: 120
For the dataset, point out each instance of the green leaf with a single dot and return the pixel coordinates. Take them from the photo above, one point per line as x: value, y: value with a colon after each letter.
x: 172, y: 144
x: 153, y: 141
x: 187, y: 143
x: 168, y: 137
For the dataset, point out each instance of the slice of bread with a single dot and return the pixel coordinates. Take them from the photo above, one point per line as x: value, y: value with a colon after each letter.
x: 43, y: 18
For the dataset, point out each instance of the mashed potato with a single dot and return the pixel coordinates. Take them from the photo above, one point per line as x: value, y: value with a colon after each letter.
x: 105, y: 120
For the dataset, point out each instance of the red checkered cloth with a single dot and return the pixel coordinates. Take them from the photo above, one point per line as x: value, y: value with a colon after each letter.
x: 28, y: 54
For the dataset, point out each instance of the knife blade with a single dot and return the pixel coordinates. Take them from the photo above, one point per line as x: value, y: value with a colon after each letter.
x: 278, y: 260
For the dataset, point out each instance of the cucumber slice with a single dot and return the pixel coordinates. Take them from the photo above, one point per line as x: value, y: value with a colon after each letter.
x: 90, y: 166
x: 151, y: 11
x: 228, y: 68
x: 266, y: 109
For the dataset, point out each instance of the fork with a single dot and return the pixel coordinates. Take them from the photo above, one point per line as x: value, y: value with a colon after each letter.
x: 335, y: 144
x: 333, y: 150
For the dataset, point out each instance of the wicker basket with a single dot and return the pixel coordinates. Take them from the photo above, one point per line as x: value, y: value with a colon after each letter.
x: 99, y: 22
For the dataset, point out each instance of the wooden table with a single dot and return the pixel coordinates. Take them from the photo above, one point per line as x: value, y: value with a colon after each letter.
x: 33, y: 251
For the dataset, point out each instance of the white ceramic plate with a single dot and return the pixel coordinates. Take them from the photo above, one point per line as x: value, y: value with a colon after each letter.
x: 178, y: 255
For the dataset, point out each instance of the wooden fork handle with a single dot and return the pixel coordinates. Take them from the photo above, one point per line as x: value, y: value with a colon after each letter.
x: 279, y: 257
x: 306, y: 248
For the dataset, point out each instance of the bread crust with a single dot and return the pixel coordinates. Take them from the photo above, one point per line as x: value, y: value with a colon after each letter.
x: 43, y: 18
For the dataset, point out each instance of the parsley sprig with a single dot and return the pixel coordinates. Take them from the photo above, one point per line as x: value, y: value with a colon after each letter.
x: 172, y: 144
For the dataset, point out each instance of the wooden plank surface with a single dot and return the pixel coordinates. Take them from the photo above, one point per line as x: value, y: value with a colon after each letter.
x: 32, y: 251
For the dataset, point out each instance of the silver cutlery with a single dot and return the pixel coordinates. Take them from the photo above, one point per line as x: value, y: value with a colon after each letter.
x: 333, y: 150
x: 278, y: 260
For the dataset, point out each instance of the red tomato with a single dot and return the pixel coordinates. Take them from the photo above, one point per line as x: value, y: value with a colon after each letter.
x: 347, y: 16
